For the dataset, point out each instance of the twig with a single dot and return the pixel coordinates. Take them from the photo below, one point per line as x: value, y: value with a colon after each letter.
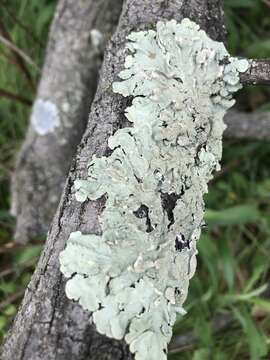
x: 219, y: 323
x: 257, y: 74
x: 14, y: 61
x: 266, y: 2
x: 12, y: 96
x: 21, y: 53
x: 17, y: 57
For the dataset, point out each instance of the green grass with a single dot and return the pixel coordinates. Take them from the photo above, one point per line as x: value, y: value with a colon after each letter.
x: 233, y: 262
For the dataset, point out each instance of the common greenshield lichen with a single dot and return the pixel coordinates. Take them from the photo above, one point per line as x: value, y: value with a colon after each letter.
x: 134, y: 277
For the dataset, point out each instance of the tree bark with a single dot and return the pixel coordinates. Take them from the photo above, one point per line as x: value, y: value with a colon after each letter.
x: 247, y: 126
x: 257, y: 74
x: 68, y: 84
x: 48, y: 326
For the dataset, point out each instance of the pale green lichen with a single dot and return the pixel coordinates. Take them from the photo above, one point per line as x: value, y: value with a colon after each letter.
x: 135, y: 276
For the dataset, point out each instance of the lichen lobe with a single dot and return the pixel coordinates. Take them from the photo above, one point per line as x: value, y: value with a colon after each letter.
x: 135, y: 276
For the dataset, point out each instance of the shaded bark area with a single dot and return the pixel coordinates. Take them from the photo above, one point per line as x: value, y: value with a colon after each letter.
x: 247, y: 126
x: 48, y: 326
x: 69, y: 79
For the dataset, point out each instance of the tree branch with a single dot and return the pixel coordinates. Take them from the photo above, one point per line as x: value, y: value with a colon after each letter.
x: 257, y: 74
x: 247, y: 126
x: 48, y: 325
x: 67, y: 86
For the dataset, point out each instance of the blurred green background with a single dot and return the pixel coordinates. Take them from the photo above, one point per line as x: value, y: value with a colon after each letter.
x: 232, y: 280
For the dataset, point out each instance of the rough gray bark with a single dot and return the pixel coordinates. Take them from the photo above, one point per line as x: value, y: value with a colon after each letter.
x: 69, y: 78
x: 257, y: 74
x: 48, y: 326
x: 247, y: 126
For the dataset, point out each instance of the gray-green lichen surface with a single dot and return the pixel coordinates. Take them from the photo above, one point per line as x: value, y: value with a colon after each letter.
x: 134, y: 277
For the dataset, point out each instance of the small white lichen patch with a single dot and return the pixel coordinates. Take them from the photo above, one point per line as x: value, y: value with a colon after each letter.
x: 45, y: 117
x: 135, y: 276
x: 96, y: 37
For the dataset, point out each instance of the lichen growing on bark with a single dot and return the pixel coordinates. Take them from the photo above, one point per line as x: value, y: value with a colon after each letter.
x: 135, y: 276
x: 45, y: 117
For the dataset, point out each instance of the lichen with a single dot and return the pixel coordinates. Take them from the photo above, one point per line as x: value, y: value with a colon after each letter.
x: 135, y: 276
x: 97, y: 38
x: 45, y: 117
